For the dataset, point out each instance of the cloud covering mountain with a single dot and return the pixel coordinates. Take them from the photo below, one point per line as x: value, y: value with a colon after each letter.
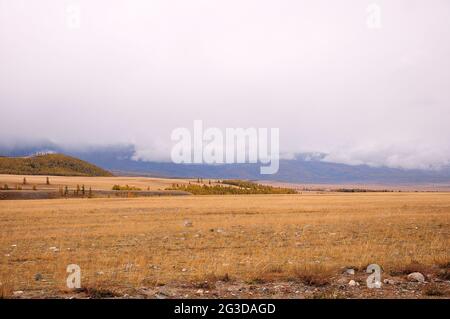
x: 80, y: 73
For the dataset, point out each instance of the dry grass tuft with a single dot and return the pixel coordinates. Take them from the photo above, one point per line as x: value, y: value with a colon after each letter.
x: 410, y: 268
x: 434, y: 290
x: 316, y: 277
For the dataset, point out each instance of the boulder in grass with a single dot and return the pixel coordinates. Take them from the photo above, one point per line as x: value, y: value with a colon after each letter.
x: 416, y: 277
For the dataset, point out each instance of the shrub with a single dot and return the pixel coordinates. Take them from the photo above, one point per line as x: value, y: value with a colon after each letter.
x: 125, y: 188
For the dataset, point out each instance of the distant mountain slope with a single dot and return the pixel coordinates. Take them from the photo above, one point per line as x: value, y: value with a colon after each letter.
x: 305, y: 168
x: 49, y: 164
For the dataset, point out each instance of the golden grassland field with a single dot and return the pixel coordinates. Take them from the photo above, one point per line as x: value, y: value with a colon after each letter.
x: 126, y: 244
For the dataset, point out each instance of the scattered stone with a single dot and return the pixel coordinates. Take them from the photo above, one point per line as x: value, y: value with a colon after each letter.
x: 416, y: 277
x: 184, y: 270
x: 159, y: 295
x: 100, y: 273
x: 389, y: 282
x: 14, y: 245
x: 219, y: 230
x: 18, y: 293
x: 54, y: 249
x: 38, y: 277
x: 353, y: 283
x: 349, y: 271
x: 7, y: 255
x: 187, y: 223
x: 199, y: 292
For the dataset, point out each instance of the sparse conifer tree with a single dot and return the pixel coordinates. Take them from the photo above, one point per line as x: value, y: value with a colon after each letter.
x: 47, y: 181
x: 24, y: 181
x: 83, y: 191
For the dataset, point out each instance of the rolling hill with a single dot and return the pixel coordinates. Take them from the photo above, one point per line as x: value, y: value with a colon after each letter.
x: 50, y: 164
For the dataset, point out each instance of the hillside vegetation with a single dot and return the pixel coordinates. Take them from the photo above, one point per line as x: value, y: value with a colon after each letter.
x: 50, y: 164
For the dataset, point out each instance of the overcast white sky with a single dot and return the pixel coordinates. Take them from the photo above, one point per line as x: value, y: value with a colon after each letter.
x: 135, y: 70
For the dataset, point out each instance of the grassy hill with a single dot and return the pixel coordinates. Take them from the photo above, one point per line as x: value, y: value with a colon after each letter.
x: 50, y: 164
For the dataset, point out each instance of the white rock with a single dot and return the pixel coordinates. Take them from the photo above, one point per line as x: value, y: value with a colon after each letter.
x: 199, y: 292
x: 184, y: 270
x: 353, y: 283
x: 416, y: 276
x: 187, y: 223
x: 349, y: 271
x: 18, y: 293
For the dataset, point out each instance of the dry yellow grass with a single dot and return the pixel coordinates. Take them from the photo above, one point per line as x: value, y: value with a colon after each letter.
x: 129, y: 243
x: 97, y: 183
